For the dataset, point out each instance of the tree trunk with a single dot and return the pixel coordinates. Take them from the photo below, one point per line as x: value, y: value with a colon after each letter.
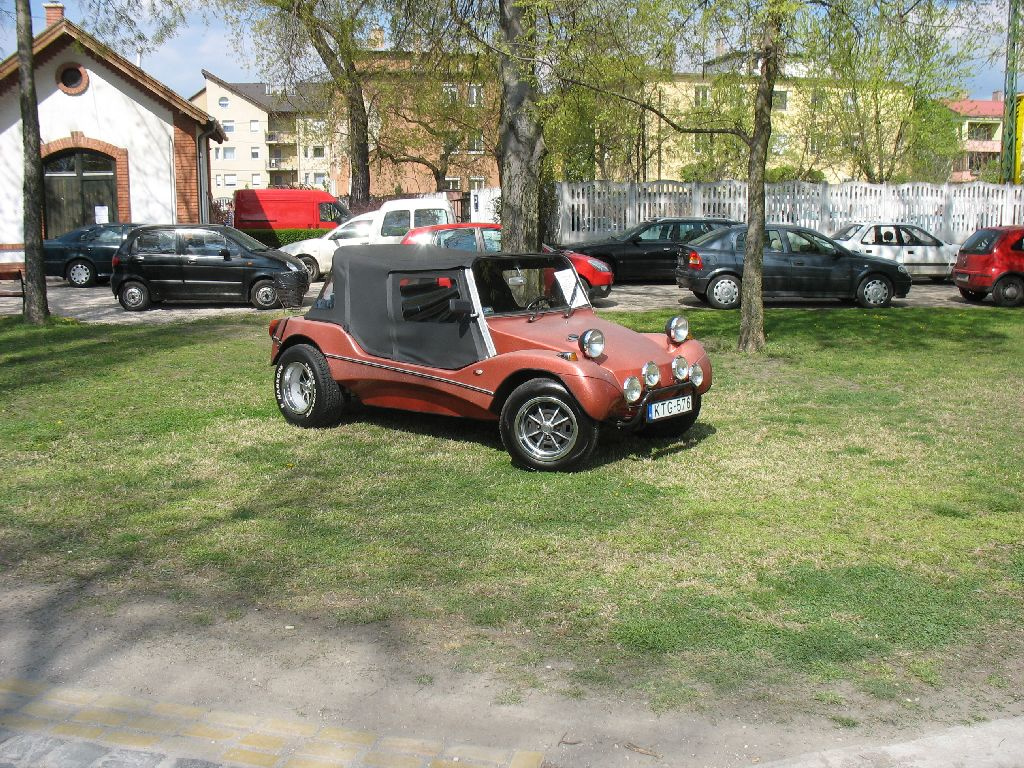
x: 36, y: 307
x: 358, y: 145
x: 520, y: 133
x: 752, y: 337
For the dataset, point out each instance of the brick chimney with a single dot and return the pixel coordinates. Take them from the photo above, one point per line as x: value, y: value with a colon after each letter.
x: 54, y: 13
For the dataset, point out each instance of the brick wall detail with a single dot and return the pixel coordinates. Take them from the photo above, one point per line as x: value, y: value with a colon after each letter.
x: 186, y: 174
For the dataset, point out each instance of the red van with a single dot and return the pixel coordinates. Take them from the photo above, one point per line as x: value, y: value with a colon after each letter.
x: 288, y: 209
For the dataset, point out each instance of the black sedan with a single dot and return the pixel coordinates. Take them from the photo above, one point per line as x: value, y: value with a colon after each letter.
x: 649, y: 251
x: 82, y: 256
x: 798, y: 262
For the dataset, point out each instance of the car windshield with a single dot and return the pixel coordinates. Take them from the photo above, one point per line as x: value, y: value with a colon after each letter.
x: 246, y: 241
x: 846, y: 232
x: 527, y: 284
x: 982, y: 241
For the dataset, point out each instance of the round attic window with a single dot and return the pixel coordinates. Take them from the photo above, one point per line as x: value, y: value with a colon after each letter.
x: 72, y: 79
x: 223, y: 102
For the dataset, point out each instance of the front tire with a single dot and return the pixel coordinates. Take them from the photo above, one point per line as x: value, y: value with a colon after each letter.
x: 724, y: 292
x: 81, y: 274
x: 874, y: 292
x: 305, y: 391
x: 676, y: 427
x: 264, y: 295
x: 544, y: 428
x: 311, y: 267
x: 972, y: 296
x: 134, y: 296
x: 1009, y: 292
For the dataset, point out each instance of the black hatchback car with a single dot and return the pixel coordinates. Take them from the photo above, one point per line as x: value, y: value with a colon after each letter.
x: 83, y: 256
x: 798, y: 262
x: 195, y: 262
x: 649, y: 251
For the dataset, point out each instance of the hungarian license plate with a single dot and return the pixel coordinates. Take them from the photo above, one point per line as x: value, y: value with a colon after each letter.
x: 668, y: 408
x: 962, y: 278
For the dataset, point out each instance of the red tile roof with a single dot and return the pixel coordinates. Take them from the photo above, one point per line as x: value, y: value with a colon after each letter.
x: 977, y: 107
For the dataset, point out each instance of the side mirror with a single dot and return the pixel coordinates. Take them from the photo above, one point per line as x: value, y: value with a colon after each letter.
x: 460, y: 307
x: 226, y: 254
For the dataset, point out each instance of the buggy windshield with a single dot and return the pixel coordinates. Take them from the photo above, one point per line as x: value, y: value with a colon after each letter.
x: 509, y: 286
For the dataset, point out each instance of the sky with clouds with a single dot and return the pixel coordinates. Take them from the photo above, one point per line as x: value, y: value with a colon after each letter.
x: 203, y: 44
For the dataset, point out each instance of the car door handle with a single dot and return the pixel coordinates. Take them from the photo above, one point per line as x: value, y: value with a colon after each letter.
x: 868, y: 250
x: 798, y: 263
x: 911, y: 253
x: 191, y: 260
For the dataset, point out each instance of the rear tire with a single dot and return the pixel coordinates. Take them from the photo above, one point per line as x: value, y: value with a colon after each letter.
x: 972, y: 296
x: 544, y: 428
x: 874, y: 292
x: 133, y: 296
x: 676, y: 427
x: 311, y: 267
x: 1009, y: 292
x: 264, y: 295
x: 305, y: 391
x: 724, y: 292
x: 81, y: 274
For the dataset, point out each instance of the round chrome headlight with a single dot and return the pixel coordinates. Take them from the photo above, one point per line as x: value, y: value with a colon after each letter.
x: 696, y: 375
x: 592, y: 343
x: 677, y: 329
x: 651, y: 374
x: 680, y: 368
x: 631, y: 389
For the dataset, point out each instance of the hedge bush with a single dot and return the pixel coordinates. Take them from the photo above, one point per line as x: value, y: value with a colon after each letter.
x: 275, y: 238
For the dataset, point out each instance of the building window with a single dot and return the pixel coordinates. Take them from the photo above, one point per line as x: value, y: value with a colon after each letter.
x: 451, y: 93
x: 780, y: 143
x: 72, y: 79
x: 223, y: 102
x: 701, y: 95
x: 452, y: 183
x: 476, y: 143
x: 229, y: 153
x: 257, y: 179
x: 216, y: 153
x: 780, y: 100
x: 476, y: 95
x: 319, y: 179
x: 318, y: 151
x: 477, y: 182
x: 254, y: 126
x: 815, y: 145
x: 230, y: 179
x: 219, y: 180
x: 254, y: 153
x: 228, y: 125
x: 982, y: 131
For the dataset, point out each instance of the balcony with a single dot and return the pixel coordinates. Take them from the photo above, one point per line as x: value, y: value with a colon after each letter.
x: 280, y: 137
x: 979, y: 145
x: 282, y: 164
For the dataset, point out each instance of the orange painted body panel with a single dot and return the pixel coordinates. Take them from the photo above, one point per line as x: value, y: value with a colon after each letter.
x: 520, y: 345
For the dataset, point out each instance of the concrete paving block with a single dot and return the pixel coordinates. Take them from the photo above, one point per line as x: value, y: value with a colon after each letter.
x: 123, y: 758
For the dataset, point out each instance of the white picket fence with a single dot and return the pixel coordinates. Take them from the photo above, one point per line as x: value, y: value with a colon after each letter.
x: 592, y: 210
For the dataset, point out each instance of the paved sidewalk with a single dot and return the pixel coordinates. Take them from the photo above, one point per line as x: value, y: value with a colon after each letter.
x: 44, y: 726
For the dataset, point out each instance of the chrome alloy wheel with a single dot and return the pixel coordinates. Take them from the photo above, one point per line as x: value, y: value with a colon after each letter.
x: 876, y: 292
x: 79, y: 274
x: 133, y: 296
x: 298, y: 387
x: 726, y: 292
x: 546, y: 428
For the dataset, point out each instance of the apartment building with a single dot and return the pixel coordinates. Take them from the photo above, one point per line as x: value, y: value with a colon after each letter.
x: 981, y: 130
x: 269, y: 142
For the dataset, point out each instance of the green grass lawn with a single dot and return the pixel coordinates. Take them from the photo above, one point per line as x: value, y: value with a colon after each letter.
x: 844, y: 520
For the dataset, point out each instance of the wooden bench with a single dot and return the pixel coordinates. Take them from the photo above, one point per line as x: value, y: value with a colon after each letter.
x: 14, y: 271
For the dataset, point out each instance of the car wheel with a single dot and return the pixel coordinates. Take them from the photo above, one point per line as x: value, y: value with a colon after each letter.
x: 306, y: 393
x: 701, y: 297
x: 544, y: 428
x: 675, y: 427
x: 1008, y: 292
x: 264, y: 295
x: 724, y: 292
x: 874, y: 292
x: 81, y: 274
x: 972, y: 296
x: 311, y: 267
x: 133, y: 296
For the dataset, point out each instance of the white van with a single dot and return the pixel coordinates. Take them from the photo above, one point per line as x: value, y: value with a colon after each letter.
x: 389, y: 224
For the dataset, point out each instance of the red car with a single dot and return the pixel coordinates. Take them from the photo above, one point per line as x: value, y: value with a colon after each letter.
x: 597, y: 275
x: 486, y: 336
x: 992, y: 261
